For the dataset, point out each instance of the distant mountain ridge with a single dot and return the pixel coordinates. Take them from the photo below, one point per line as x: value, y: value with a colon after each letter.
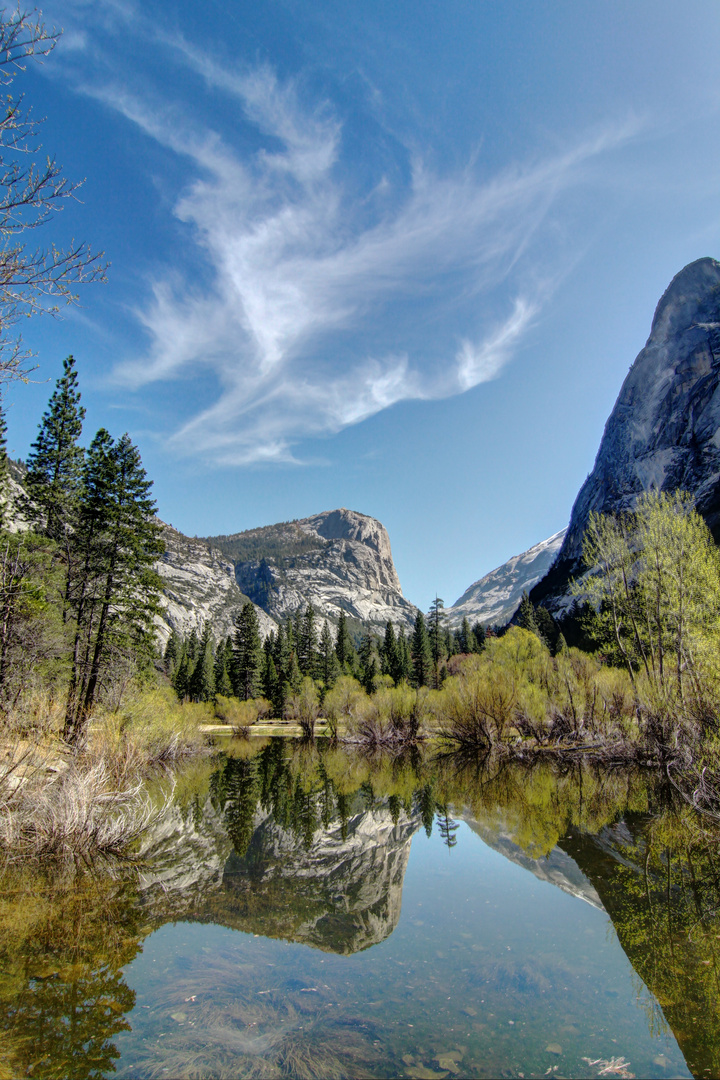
x: 494, y: 598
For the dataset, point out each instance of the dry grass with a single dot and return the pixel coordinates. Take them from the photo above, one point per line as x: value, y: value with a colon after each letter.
x: 78, y: 813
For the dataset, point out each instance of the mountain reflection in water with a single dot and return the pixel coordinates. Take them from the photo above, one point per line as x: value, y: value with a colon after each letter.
x: 310, y: 844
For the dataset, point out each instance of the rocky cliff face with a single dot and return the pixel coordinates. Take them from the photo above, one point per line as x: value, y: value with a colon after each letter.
x: 199, y: 586
x: 340, y: 560
x: 493, y: 599
x: 664, y: 431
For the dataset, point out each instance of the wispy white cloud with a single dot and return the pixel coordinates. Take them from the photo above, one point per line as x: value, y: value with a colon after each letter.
x: 295, y: 267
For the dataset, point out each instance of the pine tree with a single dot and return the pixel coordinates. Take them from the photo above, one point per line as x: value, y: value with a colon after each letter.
x: 223, y: 661
x: 114, y: 589
x: 272, y: 687
x: 344, y: 648
x: 193, y: 645
x: 307, y: 644
x: 368, y: 662
x: 328, y: 664
x: 421, y: 654
x: 55, y: 461
x: 389, y: 651
x: 426, y: 800
x: 479, y: 633
x: 172, y: 652
x: 465, y: 638
x: 180, y: 677
x: 436, y: 636
x: 526, y: 616
x: 202, y: 682
x: 294, y: 678
x: 248, y: 654
x: 447, y: 826
x: 404, y: 662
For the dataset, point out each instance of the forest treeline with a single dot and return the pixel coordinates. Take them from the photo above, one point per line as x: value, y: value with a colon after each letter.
x: 303, y: 646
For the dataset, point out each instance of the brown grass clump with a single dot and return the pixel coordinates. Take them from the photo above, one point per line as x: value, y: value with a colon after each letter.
x: 80, y: 812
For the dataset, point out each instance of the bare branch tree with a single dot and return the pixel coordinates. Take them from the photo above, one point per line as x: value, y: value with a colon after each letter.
x: 32, y: 189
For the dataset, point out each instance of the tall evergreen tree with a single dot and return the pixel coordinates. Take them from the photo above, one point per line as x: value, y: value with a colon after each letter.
x: 172, y: 652
x: 526, y: 617
x: 368, y: 662
x: 466, y: 638
x: 180, y: 677
x: 404, y: 661
x: 55, y: 461
x: 193, y: 645
x: 344, y: 648
x: 248, y: 654
x: 307, y: 644
x: 202, y: 681
x: 436, y: 634
x: 328, y: 664
x: 479, y: 633
x: 221, y: 671
x: 447, y: 826
x: 388, y: 652
x: 114, y: 591
x: 421, y: 654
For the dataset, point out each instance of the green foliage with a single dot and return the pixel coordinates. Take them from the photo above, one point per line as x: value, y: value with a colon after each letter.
x: 33, y: 640
x: 247, y: 653
x: 113, y: 592
x: 223, y: 667
x: 654, y: 586
x: 328, y: 664
x: 307, y: 646
x: 55, y: 464
x: 303, y: 706
x: 201, y: 685
x: 344, y: 648
x: 421, y: 652
x: 436, y: 636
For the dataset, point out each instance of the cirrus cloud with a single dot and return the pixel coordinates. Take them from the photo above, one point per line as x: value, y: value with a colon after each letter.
x: 309, y: 289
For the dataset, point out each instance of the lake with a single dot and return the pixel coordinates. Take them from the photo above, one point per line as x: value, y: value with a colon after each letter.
x: 304, y: 911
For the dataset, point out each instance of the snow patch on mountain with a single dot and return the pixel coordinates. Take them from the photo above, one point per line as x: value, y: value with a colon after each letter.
x: 494, y: 598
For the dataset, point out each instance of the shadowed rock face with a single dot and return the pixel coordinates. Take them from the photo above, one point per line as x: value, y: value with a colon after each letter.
x: 199, y: 586
x: 664, y: 431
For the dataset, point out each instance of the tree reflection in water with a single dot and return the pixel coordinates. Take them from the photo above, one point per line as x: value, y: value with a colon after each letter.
x: 66, y: 934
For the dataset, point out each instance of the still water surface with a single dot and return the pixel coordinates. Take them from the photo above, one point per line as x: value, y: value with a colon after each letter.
x: 302, y: 912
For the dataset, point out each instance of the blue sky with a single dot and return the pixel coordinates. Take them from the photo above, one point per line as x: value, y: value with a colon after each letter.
x: 394, y: 257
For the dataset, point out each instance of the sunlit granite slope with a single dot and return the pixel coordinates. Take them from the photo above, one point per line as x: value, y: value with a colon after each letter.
x: 664, y: 431
x: 494, y: 598
x: 339, y: 560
